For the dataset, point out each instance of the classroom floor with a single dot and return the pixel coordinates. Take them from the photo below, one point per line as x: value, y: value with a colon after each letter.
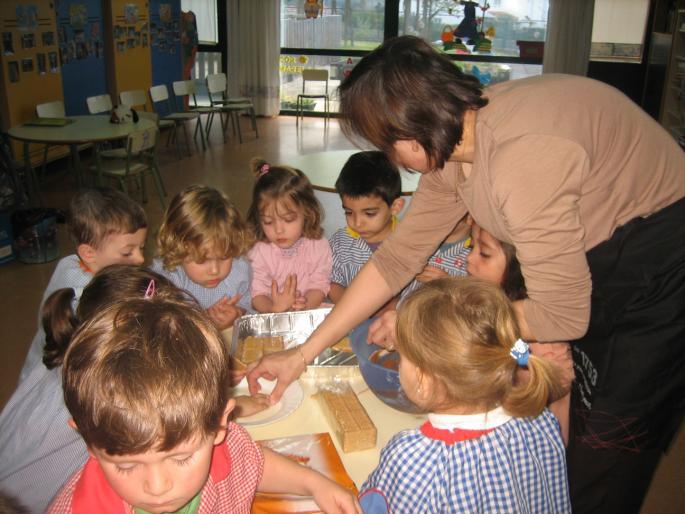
x: 224, y: 166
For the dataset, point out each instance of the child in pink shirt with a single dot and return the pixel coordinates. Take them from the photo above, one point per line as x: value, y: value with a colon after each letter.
x: 291, y: 261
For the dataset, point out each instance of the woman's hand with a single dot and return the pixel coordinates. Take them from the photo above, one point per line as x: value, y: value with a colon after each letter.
x: 383, y: 331
x: 285, y: 367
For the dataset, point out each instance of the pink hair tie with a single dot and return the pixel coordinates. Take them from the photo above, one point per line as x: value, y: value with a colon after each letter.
x: 264, y: 169
x: 150, y: 291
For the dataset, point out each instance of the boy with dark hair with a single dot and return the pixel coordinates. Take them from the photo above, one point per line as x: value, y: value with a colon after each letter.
x: 370, y: 189
x: 107, y: 227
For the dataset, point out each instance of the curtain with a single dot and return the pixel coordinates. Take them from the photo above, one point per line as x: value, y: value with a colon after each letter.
x: 254, y: 47
x: 569, y: 36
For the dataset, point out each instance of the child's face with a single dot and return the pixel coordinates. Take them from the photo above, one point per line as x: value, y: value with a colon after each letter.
x: 158, y: 481
x: 210, y: 272
x: 487, y: 259
x: 282, y: 223
x: 370, y: 216
x: 115, y: 249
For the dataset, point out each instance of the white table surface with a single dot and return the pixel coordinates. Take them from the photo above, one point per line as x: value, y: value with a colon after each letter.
x: 323, y: 168
x: 84, y: 129
x: 309, y: 419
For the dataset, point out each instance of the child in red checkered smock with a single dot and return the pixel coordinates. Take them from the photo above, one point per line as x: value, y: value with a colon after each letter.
x: 146, y: 382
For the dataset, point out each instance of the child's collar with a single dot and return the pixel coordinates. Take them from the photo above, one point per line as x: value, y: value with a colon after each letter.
x: 355, y: 234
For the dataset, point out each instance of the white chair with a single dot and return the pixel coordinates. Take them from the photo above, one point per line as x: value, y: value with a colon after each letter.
x: 185, y: 89
x: 160, y: 95
x: 99, y: 104
x: 312, y: 75
x: 140, y: 160
x: 137, y: 98
x: 232, y: 107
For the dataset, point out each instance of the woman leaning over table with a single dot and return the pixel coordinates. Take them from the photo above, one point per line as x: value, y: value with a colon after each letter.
x: 589, y: 190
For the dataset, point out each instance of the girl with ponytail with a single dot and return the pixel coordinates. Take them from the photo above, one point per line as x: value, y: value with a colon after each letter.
x: 490, y: 444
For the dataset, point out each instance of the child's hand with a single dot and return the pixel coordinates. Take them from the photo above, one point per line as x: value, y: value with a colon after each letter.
x: 332, y: 498
x: 248, y: 405
x: 431, y: 273
x: 300, y: 302
x: 224, y: 312
x: 284, y: 300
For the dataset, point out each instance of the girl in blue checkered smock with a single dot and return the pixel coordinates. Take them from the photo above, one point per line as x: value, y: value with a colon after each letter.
x: 489, y: 444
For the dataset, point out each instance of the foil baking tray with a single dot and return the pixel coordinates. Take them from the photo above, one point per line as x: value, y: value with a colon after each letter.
x: 295, y: 327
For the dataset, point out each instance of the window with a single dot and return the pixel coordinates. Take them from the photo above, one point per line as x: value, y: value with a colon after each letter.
x: 618, y: 30
x: 206, y: 17
x: 341, y: 24
x: 504, y: 23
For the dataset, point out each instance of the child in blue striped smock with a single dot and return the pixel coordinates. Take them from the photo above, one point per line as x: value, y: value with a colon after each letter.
x: 489, y: 444
x: 202, y: 243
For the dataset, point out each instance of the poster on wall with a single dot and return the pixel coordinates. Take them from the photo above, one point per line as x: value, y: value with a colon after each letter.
x: 40, y: 59
x: 131, y: 14
x: 13, y: 71
x: 7, y: 43
x: 48, y: 38
x: 53, y: 62
x: 27, y: 17
x: 78, y: 16
x: 27, y: 65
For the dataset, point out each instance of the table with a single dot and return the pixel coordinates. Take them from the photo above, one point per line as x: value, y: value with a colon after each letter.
x: 309, y: 419
x: 322, y: 170
x: 84, y: 129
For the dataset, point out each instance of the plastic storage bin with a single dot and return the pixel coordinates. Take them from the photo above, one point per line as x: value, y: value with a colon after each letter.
x: 35, y: 235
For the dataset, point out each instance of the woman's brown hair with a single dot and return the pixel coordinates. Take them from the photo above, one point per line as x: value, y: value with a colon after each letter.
x: 111, y: 284
x: 283, y: 182
x: 460, y: 331
x: 406, y: 90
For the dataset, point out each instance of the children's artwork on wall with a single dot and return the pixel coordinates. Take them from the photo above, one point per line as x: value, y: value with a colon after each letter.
x: 78, y: 16
x: 131, y: 13
x: 53, y: 62
x: 165, y: 13
x: 40, y: 59
x: 13, y: 71
x: 7, y: 43
x: 48, y: 38
x: 28, y: 40
x: 130, y: 43
x: 131, y: 32
x: 121, y: 46
x: 27, y: 65
x: 27, y: 18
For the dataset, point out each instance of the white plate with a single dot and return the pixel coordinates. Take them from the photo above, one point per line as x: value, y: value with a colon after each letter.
x: 290, y: 401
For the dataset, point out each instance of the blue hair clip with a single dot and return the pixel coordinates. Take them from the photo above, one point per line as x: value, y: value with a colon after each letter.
x: 520, y: 352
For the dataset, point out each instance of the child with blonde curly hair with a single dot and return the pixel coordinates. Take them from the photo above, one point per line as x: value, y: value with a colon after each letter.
x: 489, y: 444
x: 291, y: 260
x: 202, y: 245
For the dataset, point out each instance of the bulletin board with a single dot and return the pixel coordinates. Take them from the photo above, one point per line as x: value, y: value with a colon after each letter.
x: 30, y: 71
x: 82, y: 52
x: 127, y: 43
x: 165, y: 42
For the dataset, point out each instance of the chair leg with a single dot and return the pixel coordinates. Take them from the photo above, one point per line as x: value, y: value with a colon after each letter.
x: 198, y: 128
x: 236, y: 118
x: 143, y: 186
x: 254, y: 122
x: 185, y: 133
x: 158, y: 184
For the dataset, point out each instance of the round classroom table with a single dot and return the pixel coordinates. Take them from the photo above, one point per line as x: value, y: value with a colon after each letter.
x: 323, y: 168
x: 80, y: 130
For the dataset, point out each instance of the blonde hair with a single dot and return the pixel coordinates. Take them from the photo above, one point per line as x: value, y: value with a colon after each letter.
x: 198, y: 218
x: 146, y: 373
x: 460, y: 332
x: 283, y: 182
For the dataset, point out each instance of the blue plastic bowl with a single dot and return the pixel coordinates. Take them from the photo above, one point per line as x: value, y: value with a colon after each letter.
x: 383, y: 381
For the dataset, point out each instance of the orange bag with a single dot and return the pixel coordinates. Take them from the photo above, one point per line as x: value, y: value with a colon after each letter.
x: 447, y: 35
